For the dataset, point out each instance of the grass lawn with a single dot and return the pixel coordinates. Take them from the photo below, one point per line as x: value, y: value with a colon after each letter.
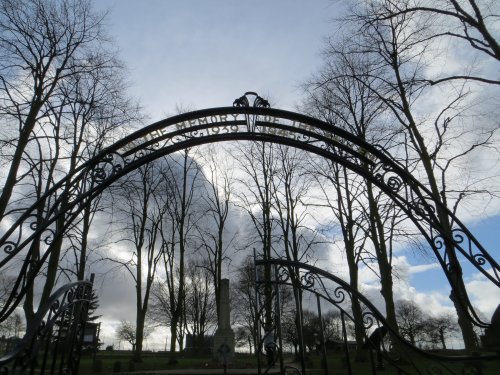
x: 120, y: 361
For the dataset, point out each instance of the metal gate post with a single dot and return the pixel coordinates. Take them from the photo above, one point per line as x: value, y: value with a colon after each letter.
x: 322, y: 335
x: 346, y: 347
x: 278, y: 319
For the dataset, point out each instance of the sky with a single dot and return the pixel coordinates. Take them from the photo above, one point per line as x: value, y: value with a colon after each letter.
x: 205, y: 53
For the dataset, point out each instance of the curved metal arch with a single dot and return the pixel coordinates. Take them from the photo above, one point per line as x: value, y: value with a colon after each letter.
x: 257, y: 123
x: 316, y: 281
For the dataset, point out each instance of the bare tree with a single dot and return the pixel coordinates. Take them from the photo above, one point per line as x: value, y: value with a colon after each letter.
x: 13, y: 326
x: 62, y: 91
x: 343, y: 195
x: 471, y: 23
x: 436, y: 143
x: 244, y: 311
x: 439, y: 328
x: 142, y: 202
x: 290, y: 186
x: 127, y: 331
x: 214, y: 236
x: 411, y: 321
x: 200, y: 311
x: 91, y: 107
x: 362, y: 213
x: 258, y: 163
x: 183, y: 177
x: 42, y: 43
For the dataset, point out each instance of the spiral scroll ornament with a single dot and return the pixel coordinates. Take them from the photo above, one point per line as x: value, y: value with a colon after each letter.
x: 8, y: 247
x: 108, y: 166
x: 385, y: 174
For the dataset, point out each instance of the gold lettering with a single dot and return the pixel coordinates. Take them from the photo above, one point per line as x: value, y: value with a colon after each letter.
x: 157, y: 133
x: 303, y: 126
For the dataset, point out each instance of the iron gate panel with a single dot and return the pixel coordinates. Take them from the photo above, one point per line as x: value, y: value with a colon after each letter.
x: 53, y: 340
x: 384, y: 344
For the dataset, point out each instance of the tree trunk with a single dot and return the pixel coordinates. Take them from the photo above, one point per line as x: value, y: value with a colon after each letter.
x: 139, y: 336
x: 173, y: 342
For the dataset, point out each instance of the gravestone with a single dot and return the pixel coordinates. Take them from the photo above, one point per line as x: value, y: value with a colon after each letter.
x: 224, y: 336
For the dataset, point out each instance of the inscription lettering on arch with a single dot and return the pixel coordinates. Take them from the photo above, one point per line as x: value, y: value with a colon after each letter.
x: 234, y: 123
x: 239, y: 121
x: 214, y: 125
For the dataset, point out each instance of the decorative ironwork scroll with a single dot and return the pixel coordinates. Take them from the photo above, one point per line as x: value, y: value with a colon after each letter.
x: 249, y: 119
x: 380, y: 337
x: 53, y: 340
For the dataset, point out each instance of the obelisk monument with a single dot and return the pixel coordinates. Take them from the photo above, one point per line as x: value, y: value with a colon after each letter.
x: 223, y: 350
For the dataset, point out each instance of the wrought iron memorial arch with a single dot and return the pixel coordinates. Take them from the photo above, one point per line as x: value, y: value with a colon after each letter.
x: 249, y: 119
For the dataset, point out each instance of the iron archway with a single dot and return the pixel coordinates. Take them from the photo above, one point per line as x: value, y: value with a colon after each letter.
x: 250, y: 118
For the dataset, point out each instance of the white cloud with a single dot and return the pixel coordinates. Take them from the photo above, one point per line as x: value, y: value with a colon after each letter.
x: 483, y: 293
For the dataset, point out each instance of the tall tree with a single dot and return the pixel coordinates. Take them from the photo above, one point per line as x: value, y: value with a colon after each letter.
x: 215, y: 237
x: 258, y: 163
x: 290, y: 186
x: 399, y: 48
x: 244, y: 301
x: 183, y: 177
x: 61, y: 96
x: 363, y: 214
x: 42, y: 43
x: 142, y: 204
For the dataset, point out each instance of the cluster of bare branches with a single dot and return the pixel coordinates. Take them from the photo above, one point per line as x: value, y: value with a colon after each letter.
x: 379, y: 81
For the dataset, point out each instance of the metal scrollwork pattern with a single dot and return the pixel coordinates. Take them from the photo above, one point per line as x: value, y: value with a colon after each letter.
x: 53, y: 336
x: 8, y: 247
x: 107, y: 166
x: 461, y: 241
x: 250, y: 118
x: 257, y: 102
x: 386, y: 175
x: 245, y: 102
x: 387, y: 345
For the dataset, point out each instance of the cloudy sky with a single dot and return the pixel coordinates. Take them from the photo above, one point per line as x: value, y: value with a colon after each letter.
x: 205, y: 53
x: 202, y: 54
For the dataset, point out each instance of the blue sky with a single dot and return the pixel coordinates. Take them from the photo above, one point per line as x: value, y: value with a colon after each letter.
x: 205, y: 53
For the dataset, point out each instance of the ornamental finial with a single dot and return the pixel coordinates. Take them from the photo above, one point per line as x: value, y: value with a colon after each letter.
x: 244, y: 101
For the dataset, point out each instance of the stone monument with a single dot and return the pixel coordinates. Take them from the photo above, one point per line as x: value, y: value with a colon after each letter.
x: 223, y: 350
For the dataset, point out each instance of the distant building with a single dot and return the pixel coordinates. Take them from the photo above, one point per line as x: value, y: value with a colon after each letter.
x: 206, y: 348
